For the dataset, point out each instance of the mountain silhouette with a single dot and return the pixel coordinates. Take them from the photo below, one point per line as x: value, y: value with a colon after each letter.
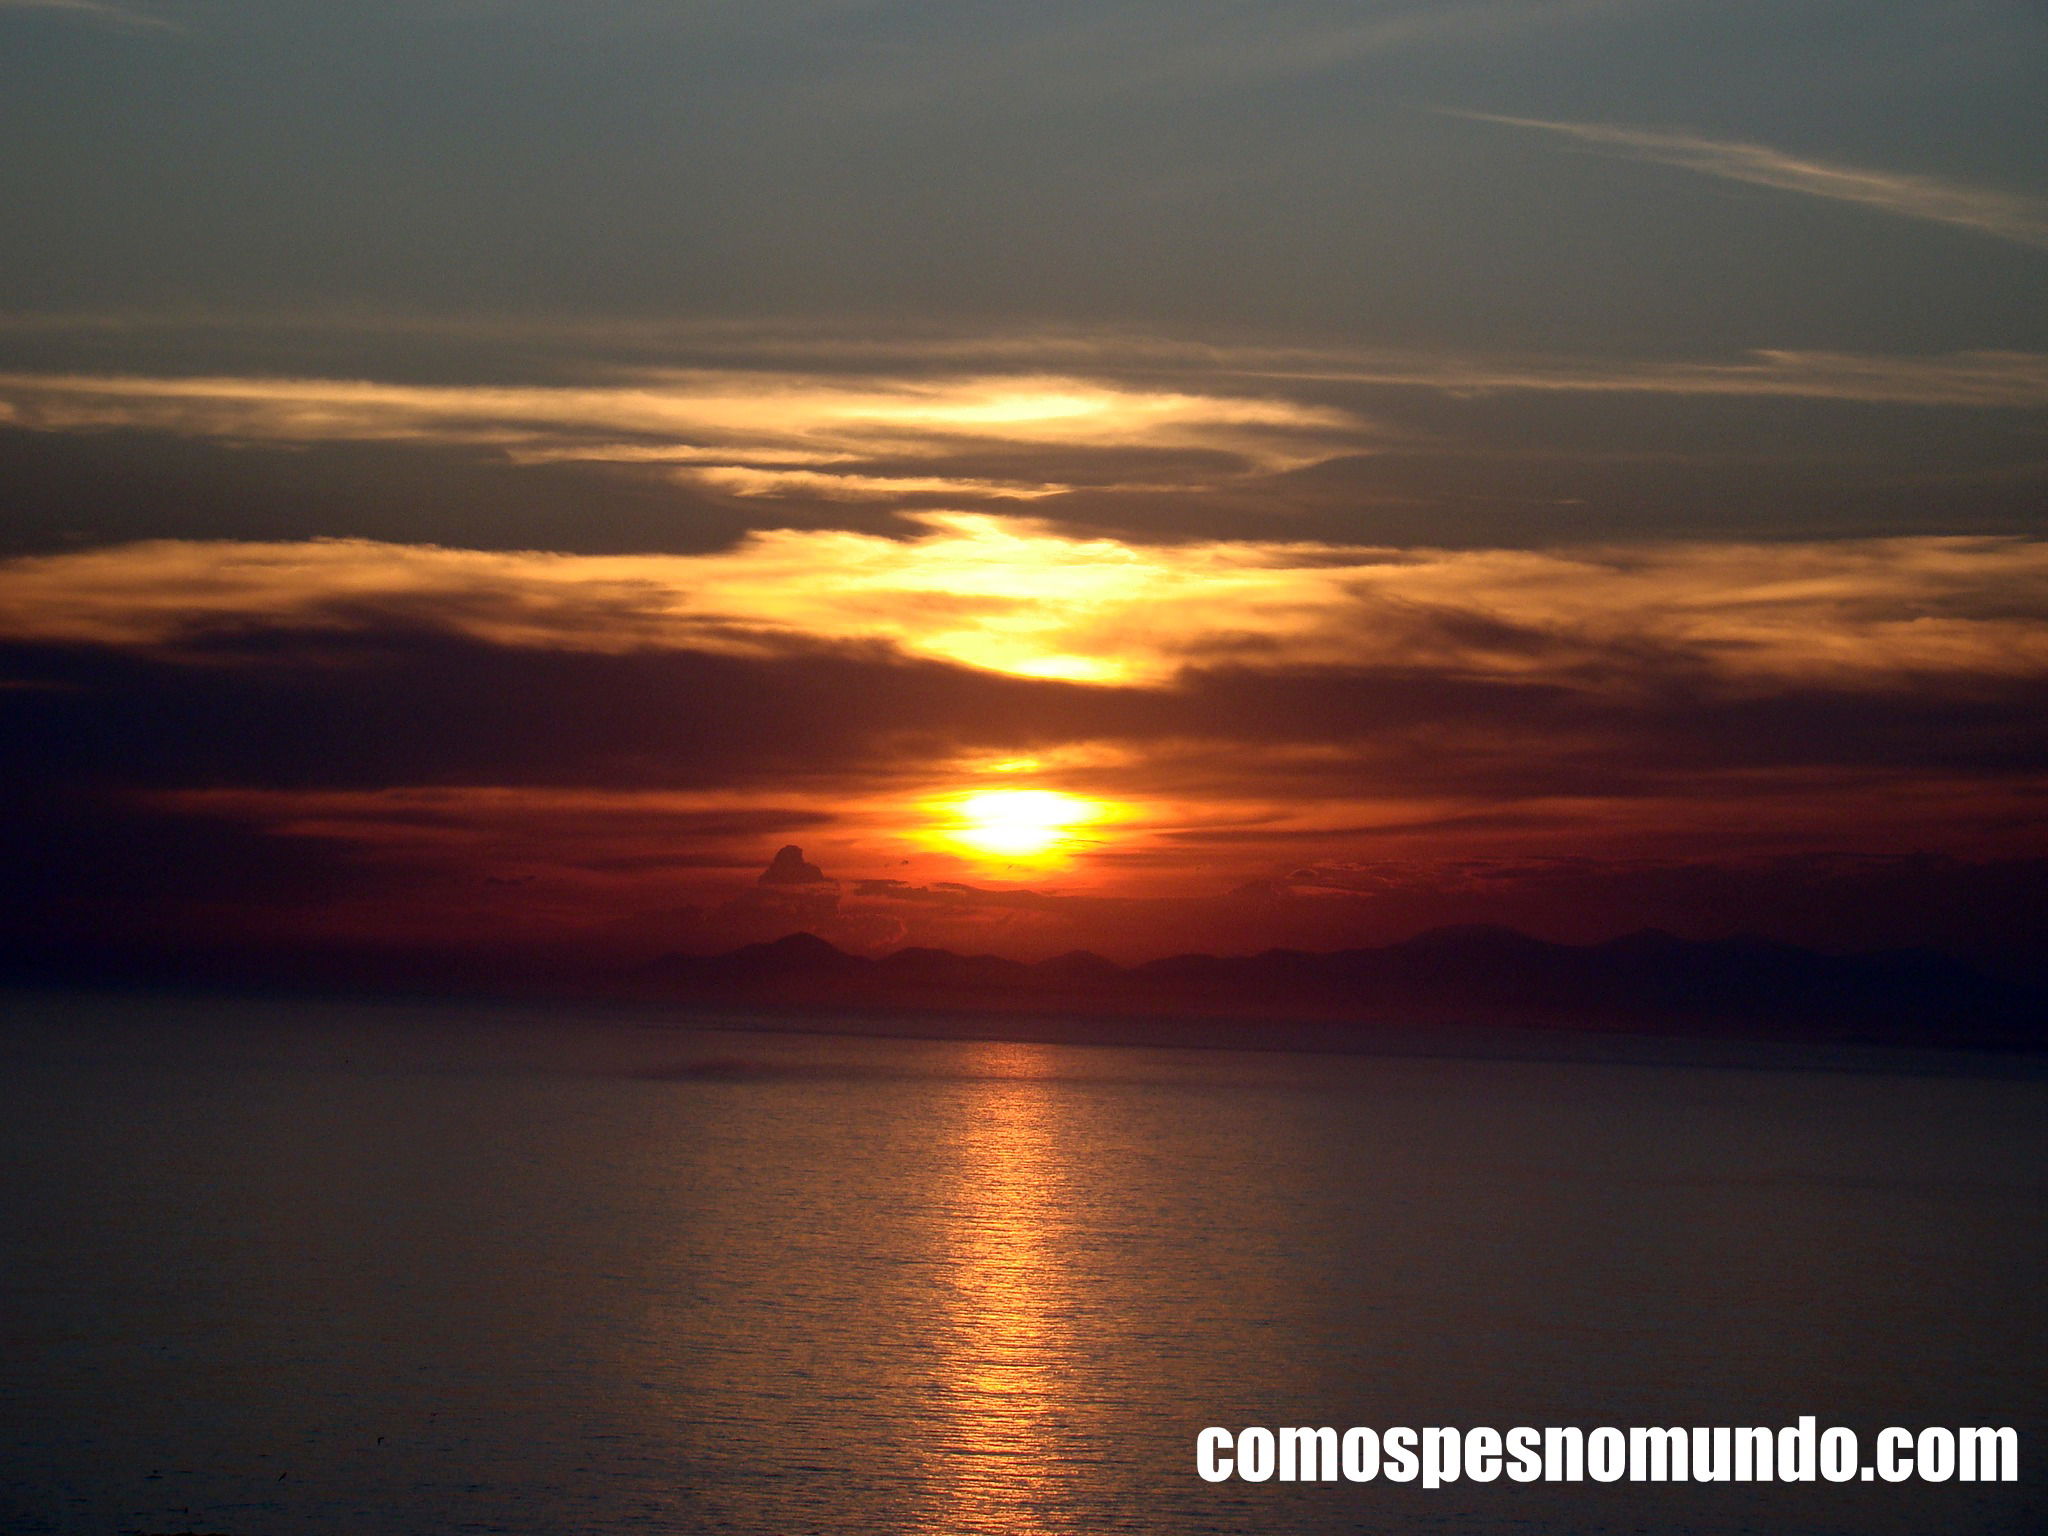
x: 1645, y: 982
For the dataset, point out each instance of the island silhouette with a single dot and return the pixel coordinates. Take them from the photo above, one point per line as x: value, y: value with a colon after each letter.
x: 1648, y: 982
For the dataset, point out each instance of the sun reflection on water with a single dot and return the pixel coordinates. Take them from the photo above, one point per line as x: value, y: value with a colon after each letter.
x: 1004, y: 1354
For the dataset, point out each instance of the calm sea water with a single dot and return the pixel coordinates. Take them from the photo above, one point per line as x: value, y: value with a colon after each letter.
x: 278, y: 1270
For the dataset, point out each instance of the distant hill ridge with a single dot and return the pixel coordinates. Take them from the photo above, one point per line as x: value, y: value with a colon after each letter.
x: 1645, y: 981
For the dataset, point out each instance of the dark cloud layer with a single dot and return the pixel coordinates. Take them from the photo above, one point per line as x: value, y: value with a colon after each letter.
x: 412, y: 705
x: 172, y: 802
x: 64, y: 492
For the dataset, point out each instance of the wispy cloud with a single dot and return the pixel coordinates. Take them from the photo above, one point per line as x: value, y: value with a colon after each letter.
x: 95, y: 10
x: 1180, y: 48
x: 2015, y: 380
x: 2005, y: 215
x: 751, y: 432
x: 964, y: 419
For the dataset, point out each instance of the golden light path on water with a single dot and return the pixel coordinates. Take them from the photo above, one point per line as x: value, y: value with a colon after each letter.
x: 1004, y: 1351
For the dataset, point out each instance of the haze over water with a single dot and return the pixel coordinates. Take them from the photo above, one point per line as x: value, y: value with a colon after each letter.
x: 405, y: 1270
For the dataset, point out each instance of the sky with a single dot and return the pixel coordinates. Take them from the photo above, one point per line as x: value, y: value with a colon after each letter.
x: 478, y: 477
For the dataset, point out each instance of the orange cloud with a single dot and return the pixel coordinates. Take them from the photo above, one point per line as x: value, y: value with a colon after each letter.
x: 726, y: 380
x: 1022, y: 597
x: 751, y: 431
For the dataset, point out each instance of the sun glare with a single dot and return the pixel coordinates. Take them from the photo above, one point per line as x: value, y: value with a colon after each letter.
x: 1019, y: 823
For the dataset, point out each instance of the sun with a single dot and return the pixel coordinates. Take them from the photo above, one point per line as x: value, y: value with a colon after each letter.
x: 1018, y: 823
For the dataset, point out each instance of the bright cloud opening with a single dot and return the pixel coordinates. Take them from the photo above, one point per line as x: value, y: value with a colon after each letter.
x: 1022, y: 597
x: 1017, y: 823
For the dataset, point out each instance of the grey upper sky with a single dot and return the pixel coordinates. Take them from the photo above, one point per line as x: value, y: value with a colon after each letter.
x: 1278, y: 164
x: 458, y: 191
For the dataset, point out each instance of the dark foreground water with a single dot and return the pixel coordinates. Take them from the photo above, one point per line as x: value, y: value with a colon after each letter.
x: 382, y: 1270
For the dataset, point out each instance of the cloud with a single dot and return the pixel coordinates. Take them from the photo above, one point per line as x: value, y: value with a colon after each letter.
x: 1981, y: 379
x: 396, y: 738
x: 389, y: 779
x: 1146, y: 436
x: 95, y: 10
x: 1003, y: 415
x: 1027, y: 599
x: 1177, y: 49
x: 748, y: 481
x: 790, y: 867
x: 2005, y: 215
x: 488, y: 746
x: 755, y: 432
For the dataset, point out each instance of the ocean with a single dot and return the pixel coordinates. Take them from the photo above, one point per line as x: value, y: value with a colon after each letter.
x: 403, y: 1269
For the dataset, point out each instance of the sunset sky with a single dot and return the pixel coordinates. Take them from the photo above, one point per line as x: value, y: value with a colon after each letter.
x: 477, y: 477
